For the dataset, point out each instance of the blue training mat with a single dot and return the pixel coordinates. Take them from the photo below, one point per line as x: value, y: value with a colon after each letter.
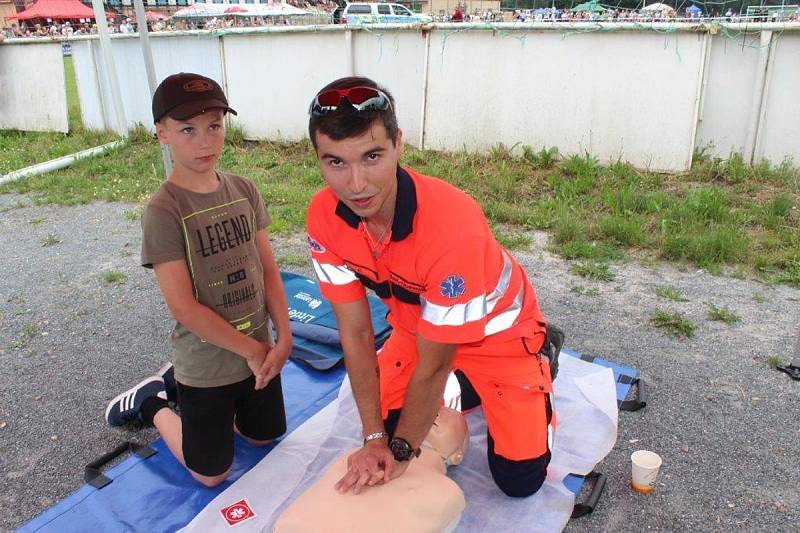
x: 157, y: 494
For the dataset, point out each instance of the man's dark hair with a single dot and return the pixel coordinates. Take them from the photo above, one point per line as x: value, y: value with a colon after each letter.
x: 346, y: 121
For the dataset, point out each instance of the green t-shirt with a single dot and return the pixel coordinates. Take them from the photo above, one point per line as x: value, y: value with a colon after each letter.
x: 215, y: 233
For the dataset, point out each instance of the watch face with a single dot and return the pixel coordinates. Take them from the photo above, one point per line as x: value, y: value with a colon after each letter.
x: 401, y: 450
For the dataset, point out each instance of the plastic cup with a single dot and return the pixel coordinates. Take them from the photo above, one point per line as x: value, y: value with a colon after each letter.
x: 644, y: 470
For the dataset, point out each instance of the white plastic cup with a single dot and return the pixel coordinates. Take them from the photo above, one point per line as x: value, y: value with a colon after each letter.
x: 644, y: 471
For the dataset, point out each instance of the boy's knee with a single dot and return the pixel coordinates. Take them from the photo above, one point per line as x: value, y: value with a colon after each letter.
x: 257, y: 443
x: 210, y: 481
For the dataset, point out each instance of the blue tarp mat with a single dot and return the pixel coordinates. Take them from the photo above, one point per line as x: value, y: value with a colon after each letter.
x: 157, y: 494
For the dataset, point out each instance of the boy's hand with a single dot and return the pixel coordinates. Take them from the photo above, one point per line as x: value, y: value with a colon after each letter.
x: 273, y: 362
x: 255, y: 363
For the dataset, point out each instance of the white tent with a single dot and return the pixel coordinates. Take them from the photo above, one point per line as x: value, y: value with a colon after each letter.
x: 657, y: 7
x: 242, y: 10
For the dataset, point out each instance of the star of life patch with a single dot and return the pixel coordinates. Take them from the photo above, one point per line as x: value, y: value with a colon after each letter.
x: 238, y: 512
x: 452, y: 286
x: 314, y: 245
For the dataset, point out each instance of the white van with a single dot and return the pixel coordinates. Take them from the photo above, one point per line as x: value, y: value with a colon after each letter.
x: 380, y: 12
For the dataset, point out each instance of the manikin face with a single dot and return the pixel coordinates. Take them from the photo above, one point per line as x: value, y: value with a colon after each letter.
x: 195, y: 143
x: 362, y: 171
x: 449, y: 435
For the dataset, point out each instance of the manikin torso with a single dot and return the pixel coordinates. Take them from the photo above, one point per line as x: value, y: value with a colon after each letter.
x: 423, y: 499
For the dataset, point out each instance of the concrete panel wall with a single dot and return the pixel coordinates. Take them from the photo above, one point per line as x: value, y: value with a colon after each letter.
x: 396, y: 59
x: 576, y: 93
x: 729, y: 94
x: 33, y: 96
x: 779, y: 131
x: 96, y: 110
x: 272, y: 78
x: 631, y: 95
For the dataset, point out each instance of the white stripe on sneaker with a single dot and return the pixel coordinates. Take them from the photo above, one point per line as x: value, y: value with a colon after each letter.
x: 125, y: 400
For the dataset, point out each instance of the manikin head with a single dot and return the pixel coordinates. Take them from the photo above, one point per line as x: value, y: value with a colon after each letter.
x: 449, y: 436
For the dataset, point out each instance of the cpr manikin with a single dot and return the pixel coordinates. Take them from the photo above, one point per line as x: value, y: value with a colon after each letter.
x: 423, y: 499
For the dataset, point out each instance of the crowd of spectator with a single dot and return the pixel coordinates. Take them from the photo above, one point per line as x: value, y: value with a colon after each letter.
x: 634, y: 15
x: 126, y: 25
x: 326, y: 7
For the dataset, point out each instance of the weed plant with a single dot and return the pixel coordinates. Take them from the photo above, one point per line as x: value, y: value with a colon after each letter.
x: 675, y: 324
x: 670, y: 293
x: 774, y: 361
x: 722, y: 314
x: 51, y: 240
x: 592, y: 271
x: 114, y: 277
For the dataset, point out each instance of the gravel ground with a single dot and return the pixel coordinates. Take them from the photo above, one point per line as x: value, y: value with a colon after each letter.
x: 725, y: 423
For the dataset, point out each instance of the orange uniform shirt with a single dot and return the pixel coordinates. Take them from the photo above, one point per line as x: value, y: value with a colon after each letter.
x: 443, y: 274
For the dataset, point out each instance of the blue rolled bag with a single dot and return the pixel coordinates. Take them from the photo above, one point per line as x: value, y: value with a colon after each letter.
x: 315, y: 334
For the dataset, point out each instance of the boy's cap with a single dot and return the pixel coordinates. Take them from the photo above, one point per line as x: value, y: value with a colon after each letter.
x: 182, y: 96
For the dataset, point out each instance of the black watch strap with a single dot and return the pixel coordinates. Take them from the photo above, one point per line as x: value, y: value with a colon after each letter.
x: 402, y: 450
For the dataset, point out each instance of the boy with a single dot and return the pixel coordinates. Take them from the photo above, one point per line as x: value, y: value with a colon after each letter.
x: 204, y: 234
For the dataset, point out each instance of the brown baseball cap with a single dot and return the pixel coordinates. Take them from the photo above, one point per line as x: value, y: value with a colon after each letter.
x: 182, y: 96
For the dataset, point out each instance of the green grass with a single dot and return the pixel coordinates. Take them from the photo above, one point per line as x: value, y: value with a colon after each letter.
x: 675, y: 324
x: 774, y: 361
x: 670, y: 293
x: 114, y: 277
x: 38, y: 220
x: 292, y: 260
x: 515, y: 241
x: 132, y: 214
x: 722, y: 314
x: 22, y: 149
x: 723, y: 216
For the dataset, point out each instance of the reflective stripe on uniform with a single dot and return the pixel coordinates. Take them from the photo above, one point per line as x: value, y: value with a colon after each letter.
x: 502, y: 283
x: 506, y: 319
x: 335, y: 275
x: 475, y: 309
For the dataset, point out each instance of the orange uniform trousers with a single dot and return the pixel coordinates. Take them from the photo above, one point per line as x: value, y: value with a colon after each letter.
x: 510, y: 378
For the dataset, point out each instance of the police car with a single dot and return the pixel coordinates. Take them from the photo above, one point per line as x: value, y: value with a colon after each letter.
x: 380, y: 12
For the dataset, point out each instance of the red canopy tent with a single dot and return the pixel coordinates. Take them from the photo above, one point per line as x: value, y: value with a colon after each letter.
x: 57, y: 9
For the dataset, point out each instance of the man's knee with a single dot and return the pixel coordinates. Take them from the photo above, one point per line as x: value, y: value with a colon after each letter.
x: 518, y: 479
x: 210, y: 481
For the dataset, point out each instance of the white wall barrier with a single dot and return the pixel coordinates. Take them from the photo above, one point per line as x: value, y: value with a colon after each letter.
x: 646, y: 95
x: 191, y: 52
x: 33, y: 96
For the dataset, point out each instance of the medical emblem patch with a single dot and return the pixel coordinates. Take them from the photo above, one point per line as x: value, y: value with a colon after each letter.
x: 314, y: 245
x: 238, y: 512
x: 452, y: 286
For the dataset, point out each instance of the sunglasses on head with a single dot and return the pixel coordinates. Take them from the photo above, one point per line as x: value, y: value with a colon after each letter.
x: 361, y: 98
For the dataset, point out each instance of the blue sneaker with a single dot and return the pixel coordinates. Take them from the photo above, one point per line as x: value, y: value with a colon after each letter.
x: 127, y: 406
x: 167, y: 373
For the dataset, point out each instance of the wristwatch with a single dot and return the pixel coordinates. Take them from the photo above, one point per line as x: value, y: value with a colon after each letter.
x: 402, y: 450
